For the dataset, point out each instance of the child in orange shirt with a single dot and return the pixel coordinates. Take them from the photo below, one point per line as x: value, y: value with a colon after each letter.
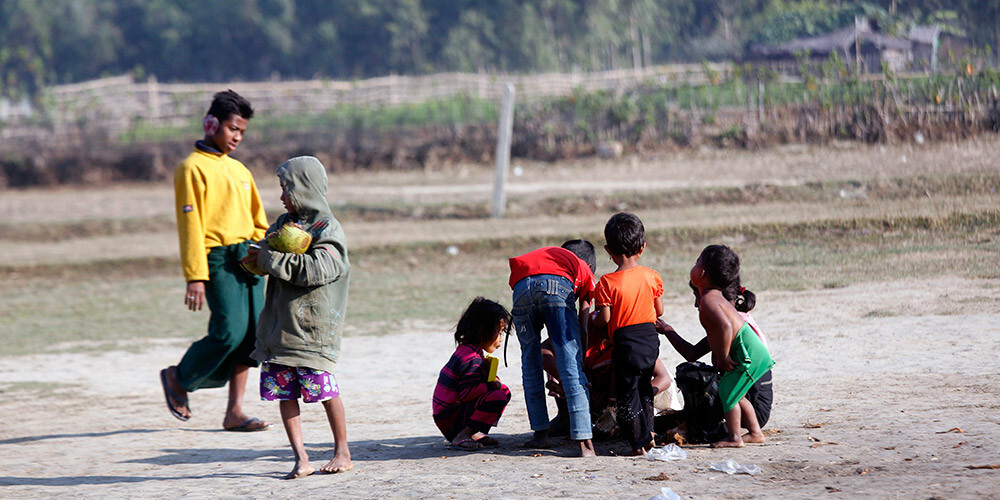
x: 628, y: 301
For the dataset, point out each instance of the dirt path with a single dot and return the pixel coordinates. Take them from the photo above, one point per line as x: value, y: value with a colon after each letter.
x: 870, y: 384
x: 785, y: 165
x: 454, y: 231
x: 789, y: 165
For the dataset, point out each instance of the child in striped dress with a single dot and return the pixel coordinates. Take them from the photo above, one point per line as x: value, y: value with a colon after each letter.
x: 466, y: 404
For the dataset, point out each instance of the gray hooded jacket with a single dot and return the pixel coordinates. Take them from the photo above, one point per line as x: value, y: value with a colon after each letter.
x: 306, y: 299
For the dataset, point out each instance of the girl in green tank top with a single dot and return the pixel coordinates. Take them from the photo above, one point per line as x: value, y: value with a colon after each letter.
x: 737, y: 352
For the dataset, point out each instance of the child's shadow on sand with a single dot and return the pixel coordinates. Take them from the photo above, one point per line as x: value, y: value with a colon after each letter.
x: 374, y: 450
x: 418, y: 448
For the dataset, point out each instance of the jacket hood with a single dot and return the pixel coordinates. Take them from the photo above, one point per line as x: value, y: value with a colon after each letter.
x: 304, y: 178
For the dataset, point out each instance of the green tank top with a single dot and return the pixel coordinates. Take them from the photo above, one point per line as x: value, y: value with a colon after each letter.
x: 752, y: 361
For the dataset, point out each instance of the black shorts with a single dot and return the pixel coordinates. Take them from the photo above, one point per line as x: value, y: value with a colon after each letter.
x: 760, y: 397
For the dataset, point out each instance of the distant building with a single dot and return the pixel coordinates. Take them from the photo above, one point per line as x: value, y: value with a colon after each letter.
x: 925, y: 46
x: 864, y: 38
x: 952, y: 45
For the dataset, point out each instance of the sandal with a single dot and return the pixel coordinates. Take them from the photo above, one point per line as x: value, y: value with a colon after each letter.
x: 467, y: 444
x: 488, y: 442
x: 169, y: 394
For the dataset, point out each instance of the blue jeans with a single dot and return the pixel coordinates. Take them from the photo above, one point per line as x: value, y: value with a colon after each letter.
x: 548, y: 300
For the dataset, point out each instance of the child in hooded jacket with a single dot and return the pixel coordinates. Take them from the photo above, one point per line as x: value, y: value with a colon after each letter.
x: 299, y: 330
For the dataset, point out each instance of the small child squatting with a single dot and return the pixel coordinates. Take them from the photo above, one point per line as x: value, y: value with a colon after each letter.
x: 737, y: 351
x: 466, y: 405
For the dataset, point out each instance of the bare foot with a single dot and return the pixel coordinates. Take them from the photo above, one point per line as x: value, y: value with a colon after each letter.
x: 587, y: 448
x: 337, y: 464
x: 728, y: 443
x: 237, y: 420
x: 301, y: 469
x: 753, y: 438
x: 559, y: 426
x: 248, y: 425
x: 539, y: 440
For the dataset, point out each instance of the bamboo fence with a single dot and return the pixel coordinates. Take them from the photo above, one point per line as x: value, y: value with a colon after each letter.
x: 113, y: 104
x: 107, y: 108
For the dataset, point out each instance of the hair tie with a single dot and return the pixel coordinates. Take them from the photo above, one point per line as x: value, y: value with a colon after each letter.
x: 742, y: 289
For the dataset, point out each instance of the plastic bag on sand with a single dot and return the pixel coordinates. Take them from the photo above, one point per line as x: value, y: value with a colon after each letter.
x: 731, y: 467
x: 665, y: 494
x: 667, y: 453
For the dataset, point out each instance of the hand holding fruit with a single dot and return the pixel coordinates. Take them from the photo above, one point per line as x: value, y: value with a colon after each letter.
x: 290, y: 238
x: 249, y: 263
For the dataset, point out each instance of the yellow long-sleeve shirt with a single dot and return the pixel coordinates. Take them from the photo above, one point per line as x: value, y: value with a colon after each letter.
x: 217, y: 204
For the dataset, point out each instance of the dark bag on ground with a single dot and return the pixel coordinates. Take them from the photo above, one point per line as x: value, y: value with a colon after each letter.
x: 699, y: 383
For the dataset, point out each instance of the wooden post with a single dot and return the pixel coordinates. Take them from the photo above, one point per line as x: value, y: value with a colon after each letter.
x: 504, y: 131
x: 857, y: 49
x: 760, y: 102
x: 153, y: 99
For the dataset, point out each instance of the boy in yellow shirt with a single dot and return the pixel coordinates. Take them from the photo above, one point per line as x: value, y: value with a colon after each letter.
x: 219, y: 212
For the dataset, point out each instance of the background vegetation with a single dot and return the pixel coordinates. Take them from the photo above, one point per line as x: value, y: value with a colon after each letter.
x: 45, y: 42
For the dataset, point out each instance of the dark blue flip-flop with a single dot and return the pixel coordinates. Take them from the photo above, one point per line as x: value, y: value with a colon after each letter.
x: 169, y: 393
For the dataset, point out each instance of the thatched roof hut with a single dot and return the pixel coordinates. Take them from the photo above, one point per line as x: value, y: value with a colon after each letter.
x: 925, y: 45
x: 863, y: 36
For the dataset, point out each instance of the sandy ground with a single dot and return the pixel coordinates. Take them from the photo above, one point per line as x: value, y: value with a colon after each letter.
x: 881, y: 391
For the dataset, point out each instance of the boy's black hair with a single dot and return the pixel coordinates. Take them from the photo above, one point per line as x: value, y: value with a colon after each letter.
x: 478, y: 324
x: 584, y: 250
x: 228, y: 103
x: 625, y: 234
x: 723, y: 268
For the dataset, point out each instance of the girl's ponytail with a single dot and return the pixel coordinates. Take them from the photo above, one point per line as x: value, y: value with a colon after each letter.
x: 745, y: 300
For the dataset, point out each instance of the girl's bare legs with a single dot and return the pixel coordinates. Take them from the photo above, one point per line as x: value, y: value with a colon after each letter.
x: 293, y: 428
x: 733, y: 419
x: 733, y: 427
x: 341, y: 461
x: 754, y: 434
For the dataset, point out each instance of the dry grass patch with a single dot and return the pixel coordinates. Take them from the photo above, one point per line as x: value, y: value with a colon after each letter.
x: 391, y: 284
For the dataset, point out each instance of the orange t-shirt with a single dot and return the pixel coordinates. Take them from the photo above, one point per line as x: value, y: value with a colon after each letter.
x: 630, y: 295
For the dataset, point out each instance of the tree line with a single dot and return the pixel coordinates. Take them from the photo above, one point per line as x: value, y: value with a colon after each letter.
x: 47, y: 42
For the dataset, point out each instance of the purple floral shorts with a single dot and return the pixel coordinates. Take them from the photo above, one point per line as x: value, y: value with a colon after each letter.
x: 285, y: 383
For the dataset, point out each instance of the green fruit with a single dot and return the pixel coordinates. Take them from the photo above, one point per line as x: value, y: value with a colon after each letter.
x: 290, y: 239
